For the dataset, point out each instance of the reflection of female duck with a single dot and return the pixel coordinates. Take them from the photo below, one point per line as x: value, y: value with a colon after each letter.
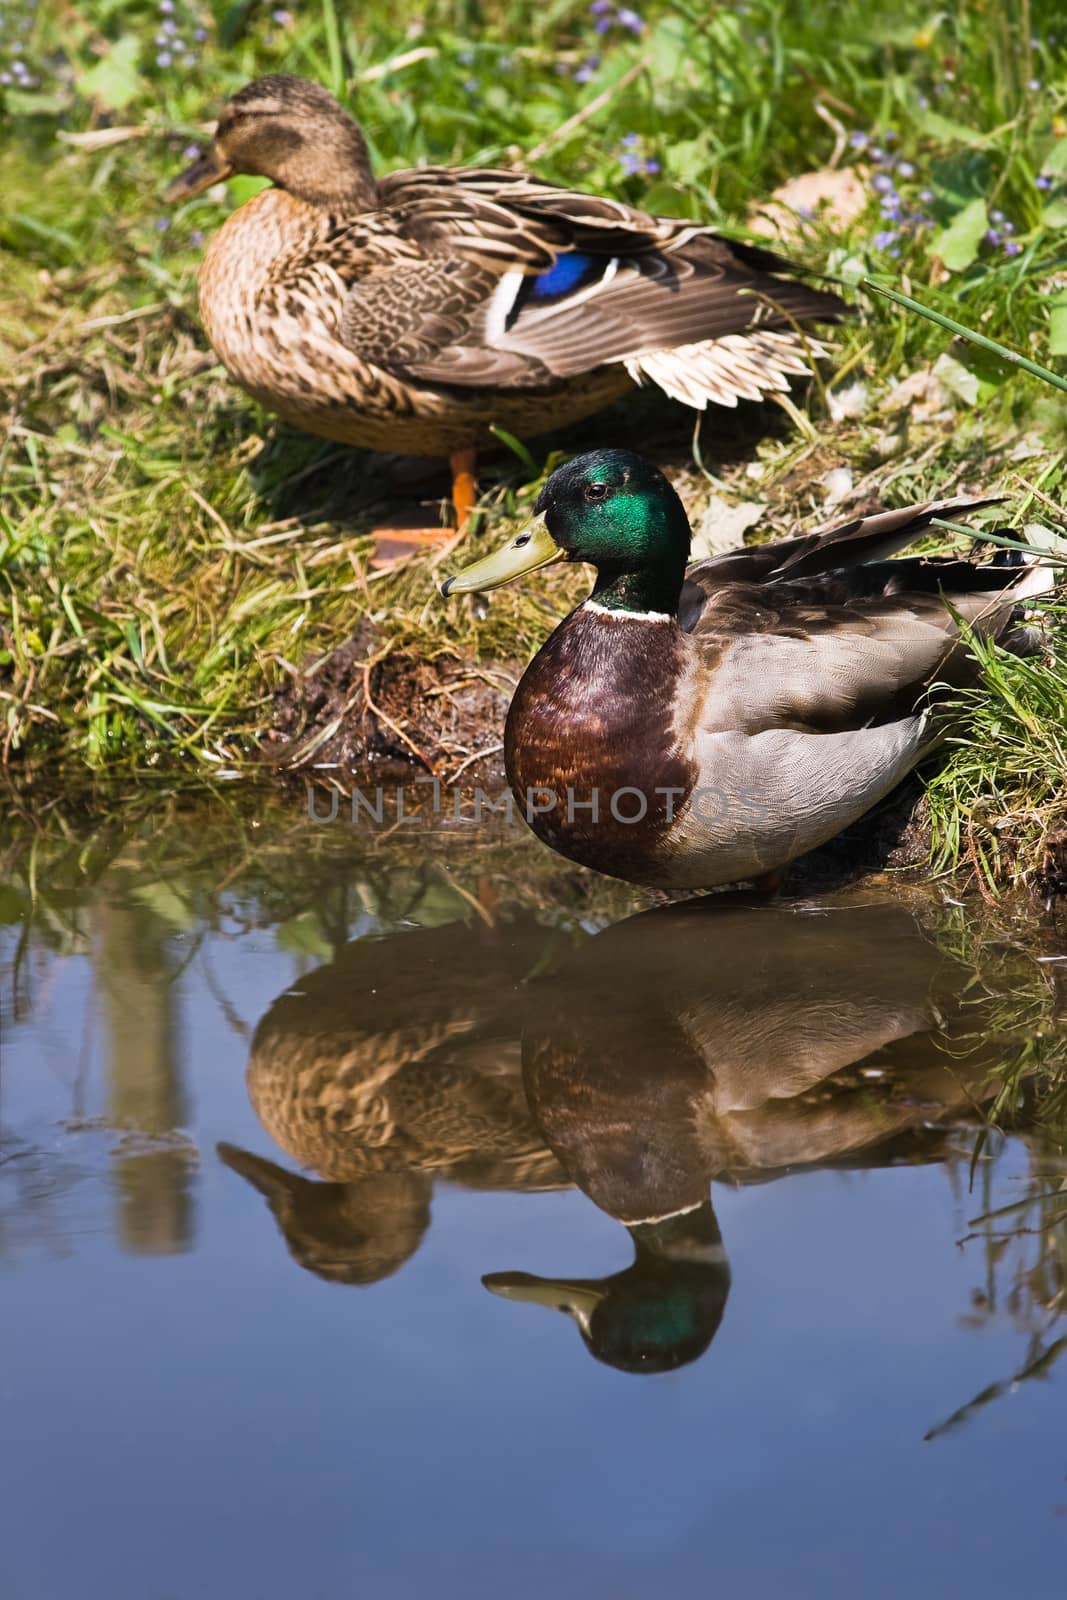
x: 379, y: 1072
x: 698, y: 1042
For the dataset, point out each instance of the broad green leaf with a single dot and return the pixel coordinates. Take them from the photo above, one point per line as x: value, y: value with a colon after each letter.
x: 936, y: 126
x: 115, y: 80
x: 671, y: 44
x: 688, y: 161
x: 959, y: 243
x: 29, y: 103
x: 1055, y: 163
x: 244, y: 186
x: 1057, y: 327
x: 1054, y: 214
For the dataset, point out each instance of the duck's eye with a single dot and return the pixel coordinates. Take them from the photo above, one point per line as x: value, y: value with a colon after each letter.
x: 596, y: 491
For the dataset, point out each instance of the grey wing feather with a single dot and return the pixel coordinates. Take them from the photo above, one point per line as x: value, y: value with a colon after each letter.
x: 848, y: 646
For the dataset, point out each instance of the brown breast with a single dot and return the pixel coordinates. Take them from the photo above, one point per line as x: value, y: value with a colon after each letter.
x: 594, y: 759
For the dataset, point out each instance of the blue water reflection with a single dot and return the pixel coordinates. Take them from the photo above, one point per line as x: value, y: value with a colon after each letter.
x: 278, y: 1371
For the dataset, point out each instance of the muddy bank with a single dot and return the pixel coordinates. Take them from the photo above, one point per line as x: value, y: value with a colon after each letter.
x: 366, y: 712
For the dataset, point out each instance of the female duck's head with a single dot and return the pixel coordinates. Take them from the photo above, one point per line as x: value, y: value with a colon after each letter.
x: 612, y: 509
x: 295, y: 133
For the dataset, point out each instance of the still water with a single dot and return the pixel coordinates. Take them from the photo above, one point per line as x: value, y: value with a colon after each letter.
x: 385, y: 1218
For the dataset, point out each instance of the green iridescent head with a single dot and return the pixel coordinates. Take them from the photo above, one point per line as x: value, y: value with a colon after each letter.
x: 659, y: 1313
x: 612, y: 509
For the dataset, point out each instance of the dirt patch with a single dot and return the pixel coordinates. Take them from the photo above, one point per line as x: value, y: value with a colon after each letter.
x: 368, y: 710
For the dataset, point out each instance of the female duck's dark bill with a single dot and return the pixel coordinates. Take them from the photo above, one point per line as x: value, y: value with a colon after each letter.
x: 532, y: 547
x: 205, y: 171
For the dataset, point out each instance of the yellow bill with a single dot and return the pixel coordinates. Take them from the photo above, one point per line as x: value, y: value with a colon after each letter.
x: 532, y: 547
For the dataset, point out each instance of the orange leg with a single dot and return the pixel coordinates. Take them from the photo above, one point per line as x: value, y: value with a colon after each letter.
x: 464, y: 485
x: 405, y: 533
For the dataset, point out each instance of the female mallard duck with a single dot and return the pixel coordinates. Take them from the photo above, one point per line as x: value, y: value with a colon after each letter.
x: 688, y: 729
x: 416, y: 312
x: 395, y: 1065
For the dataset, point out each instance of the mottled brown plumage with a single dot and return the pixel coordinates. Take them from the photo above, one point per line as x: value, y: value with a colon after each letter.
x: 413, y: 313
x: 397, y: 1064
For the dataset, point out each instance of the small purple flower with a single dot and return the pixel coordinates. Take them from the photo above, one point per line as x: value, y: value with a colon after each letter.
x: 890, y: 136
x: 926, y: 196
x: 652, y: 167
x: 197, y: 236
x: 877, y: 153
x: 858, y: 140
x: 1013, y: 248
x: 993, y: 237
x: 164, y: 59
x: 884, y: 239
x: 905, y: 170
x: 588, y: 70
x: 1043, y: 182
x: 1034, y: 85
x: 630, y: 140
x: 192, y: 152
x: 600, y: 7
x: 200, y: 34
x: 602, y: 24
x: 166, y: 6
x: 922, y: 102
x: 630, y: 164
x: 282, y: 17
x: 465, y: 57
x: 470, y: 85
x: 5, y: 80
x: 162, y: 224
x: 892, y: 210
x: 1009, y: 227
x: 883, y: 183
x: 629, y: 20
x: 996, y: 216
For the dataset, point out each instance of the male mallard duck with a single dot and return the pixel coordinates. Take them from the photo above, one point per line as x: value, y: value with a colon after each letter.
x: 415, y: 312
x: 687, y: 729
x: 714, y: 1042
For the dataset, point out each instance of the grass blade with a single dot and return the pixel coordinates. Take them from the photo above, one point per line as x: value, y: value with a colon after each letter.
x: 962, y: 332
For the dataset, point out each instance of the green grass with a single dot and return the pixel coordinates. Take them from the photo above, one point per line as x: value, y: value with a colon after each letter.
x: 169, y: 556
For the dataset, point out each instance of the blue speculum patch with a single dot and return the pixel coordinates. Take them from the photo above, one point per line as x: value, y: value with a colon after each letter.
x: 567, y: 273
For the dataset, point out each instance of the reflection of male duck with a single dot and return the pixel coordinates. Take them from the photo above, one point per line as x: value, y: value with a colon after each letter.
x: 739, y: 1043
x: 382, y: 1074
